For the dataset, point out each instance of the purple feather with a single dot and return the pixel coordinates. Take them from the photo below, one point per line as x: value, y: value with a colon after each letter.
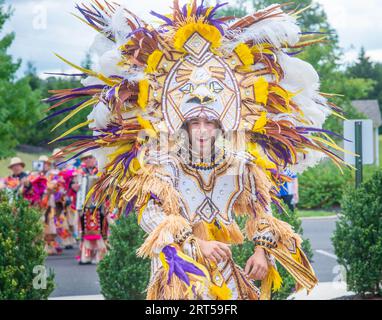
x: 168, y: 21
x: 130, y: 206
x: 78, y: 154
x: 63, y: 111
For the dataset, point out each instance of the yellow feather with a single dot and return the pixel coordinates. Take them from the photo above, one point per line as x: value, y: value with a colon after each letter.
x: 146, y: 124
x: 260, y: 123
x: 74, y: 112
x: 221, y: 293
x: 261, y: 90
x: 83, y: 124
x: 100, y: 76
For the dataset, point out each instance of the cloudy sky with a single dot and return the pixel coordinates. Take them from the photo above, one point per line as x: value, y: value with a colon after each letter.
x: 46, y: 26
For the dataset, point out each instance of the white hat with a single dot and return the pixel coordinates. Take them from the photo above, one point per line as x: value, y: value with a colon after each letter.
x: 16, y: 160
x: 86, y: 155
x: 57, y: 152
x: 43, y: 158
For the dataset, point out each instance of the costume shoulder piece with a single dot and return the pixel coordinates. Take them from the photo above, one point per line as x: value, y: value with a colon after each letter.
x: 149, y: 80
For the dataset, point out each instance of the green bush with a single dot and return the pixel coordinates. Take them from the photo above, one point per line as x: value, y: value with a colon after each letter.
x: 124, y: 276
x: 22, y: 254
x: 321, y: 187
x: 241, y: 254
x: 358, y: 237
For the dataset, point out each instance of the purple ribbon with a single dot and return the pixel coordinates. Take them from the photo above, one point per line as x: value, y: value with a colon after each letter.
x: 179, y: 266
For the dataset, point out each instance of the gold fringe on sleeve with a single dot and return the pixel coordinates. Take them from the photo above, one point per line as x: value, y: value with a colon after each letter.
x: 275, y: 236
x: 164, y: 234
x: 150, y: 179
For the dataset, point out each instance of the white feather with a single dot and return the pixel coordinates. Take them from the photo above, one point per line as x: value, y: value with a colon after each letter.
x: 100, y: 115
x: 277, y: 31
x: 101, y: 155
x: 301, y: 78
x: 118, y: 26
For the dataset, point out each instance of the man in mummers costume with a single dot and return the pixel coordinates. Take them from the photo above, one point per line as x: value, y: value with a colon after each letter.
x: 194, y: 123
x: 92, y: 216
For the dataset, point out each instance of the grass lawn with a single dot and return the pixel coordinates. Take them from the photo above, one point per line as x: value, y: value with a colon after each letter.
x: 26, y: 157
x: 314, y: 213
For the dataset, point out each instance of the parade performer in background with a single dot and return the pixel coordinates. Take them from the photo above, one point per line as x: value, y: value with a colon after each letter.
x: 18, y: 178
x: 194, y: 123
x: 49, y: 202
x: 68, y: 173
x: 92, y: 216
x: 289, y: 190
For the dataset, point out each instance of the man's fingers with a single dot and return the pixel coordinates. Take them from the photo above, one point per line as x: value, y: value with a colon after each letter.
x: 254, y: 271
x: 260, y: 273
x: 222, y: 253
x: 217, y: 256
x: 248, y: 267
x: 213, y: 259
x: 226, y: 249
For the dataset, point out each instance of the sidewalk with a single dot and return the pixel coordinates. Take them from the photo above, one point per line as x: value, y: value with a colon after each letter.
x: 92, y: 297
x: 323, y: 291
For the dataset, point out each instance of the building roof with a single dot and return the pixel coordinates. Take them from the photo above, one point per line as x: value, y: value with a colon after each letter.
x: 369, y: 108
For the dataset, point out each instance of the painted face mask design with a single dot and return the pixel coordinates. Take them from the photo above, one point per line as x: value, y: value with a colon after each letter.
x: 201, y: 84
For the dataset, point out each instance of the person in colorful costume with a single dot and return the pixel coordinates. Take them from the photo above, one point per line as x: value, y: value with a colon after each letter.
x: 68, y: 173
x: 54, y: 202
x: 17, y: 182
x: 194, y: 123
x: 50, y: 201
x: 92, y: 217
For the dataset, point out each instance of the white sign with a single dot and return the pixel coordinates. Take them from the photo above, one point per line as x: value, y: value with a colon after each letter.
x: 367, y: 141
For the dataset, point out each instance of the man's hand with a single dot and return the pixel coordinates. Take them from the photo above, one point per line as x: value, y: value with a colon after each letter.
x: 257, y: 265
x: 214, y: 250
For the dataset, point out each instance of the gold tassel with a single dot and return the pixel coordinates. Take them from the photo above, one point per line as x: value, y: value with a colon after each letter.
x: 272, y: 283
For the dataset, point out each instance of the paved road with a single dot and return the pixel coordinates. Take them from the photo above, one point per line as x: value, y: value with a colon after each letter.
x: 75, y: 280
x: 319, y: 232
x: 71, y: 278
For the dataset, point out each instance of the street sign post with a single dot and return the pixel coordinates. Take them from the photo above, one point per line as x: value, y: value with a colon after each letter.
x: 358, y: 151
x: 359, y: 139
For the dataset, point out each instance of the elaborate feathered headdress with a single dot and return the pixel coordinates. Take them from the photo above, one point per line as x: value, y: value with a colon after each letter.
x: 243, y: 72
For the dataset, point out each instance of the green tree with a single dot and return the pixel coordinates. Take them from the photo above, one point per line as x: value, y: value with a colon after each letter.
x: 367, y: 69
x: 357, y: 239
x: 124, y: 276
x: 41, y: 131
x: 22, y: 253
x: 19, y: 104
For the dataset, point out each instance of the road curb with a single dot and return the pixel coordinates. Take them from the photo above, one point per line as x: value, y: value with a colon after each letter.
x: 320, y: 218
x: 89, y: 297
x: 323, y: 291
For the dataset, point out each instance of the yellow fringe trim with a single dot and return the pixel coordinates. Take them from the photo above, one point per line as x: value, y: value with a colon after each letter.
x: 261, y: 91
x: 153, y: 61
x: 208, y: 32
x: 245, y: 55
x: 272, y: 283
x: 221, y: 293
x: 162, y: 235
x: 143, y: 95
x: 260, y: 123
x: 147, y: 126
x: 231, y: 233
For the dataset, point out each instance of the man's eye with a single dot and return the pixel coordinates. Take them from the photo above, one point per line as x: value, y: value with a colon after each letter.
x: 216, y: 87
x: 187, y: 88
